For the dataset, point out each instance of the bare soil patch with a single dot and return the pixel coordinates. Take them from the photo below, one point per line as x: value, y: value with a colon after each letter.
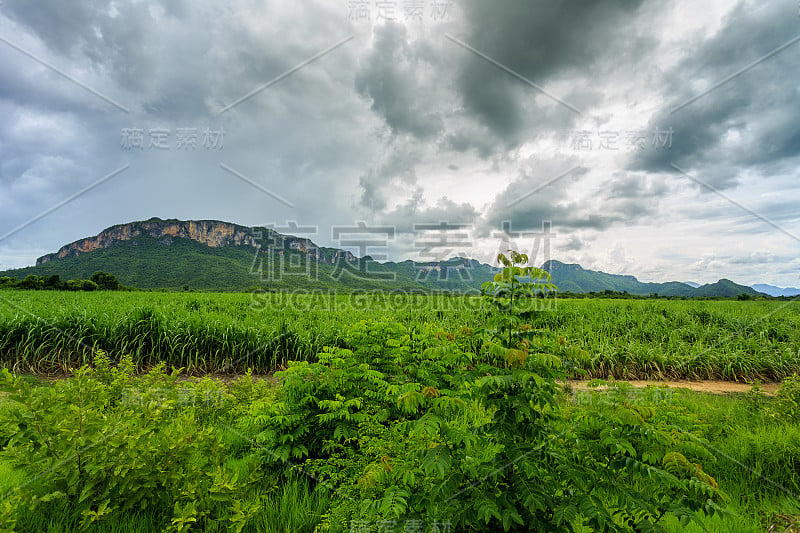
x: 713, y: 386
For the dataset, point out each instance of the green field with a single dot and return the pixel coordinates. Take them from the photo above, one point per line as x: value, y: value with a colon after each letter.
x: 393, y: 409
x: 210, y: 332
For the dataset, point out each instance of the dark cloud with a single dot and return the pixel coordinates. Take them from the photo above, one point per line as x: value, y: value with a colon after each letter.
x: 528, y: 200
x: 399, y: 77
x: 417, y: 211
x: 624, y: 199
x: 574, y: 244
x: 627, y: 185
x: 540, y: 40
x: 747, y: 121
x: 471, y: 137
x: 365, y: 132
x: 58, y: 137
x: 395, y: 167
x: 115, y: 37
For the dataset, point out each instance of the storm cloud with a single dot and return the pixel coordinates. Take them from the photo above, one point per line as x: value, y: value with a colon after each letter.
x: 326, y: 115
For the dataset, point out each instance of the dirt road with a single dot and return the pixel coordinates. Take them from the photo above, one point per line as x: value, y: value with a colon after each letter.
x: 716, y: 387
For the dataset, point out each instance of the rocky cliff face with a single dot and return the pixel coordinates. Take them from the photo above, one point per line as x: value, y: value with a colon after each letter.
x: 212, y: 233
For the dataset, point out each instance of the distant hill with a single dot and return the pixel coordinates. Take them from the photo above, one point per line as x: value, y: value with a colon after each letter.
x: 724, y: 288
x: 215, y: 255
x: 772, y: 290
x: 574, y: 278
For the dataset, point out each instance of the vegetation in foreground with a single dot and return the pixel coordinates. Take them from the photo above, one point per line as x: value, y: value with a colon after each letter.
x: 105, y: 451
x: 402, y: 428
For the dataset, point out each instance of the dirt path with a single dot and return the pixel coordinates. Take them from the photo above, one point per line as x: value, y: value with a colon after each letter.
x: 713, y: 386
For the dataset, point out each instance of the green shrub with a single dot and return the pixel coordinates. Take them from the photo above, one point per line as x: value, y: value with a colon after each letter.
x: 381, y: 422
x: 104, y: 443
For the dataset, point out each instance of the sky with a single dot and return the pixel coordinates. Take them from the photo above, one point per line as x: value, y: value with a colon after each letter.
x: 632, y: 136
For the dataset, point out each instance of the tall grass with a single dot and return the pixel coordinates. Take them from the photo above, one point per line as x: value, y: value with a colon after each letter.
x: 206, y: 332
x: 756, y: 457
x: 49, y: 332
x: 757, y: 463
x: 294, y: 507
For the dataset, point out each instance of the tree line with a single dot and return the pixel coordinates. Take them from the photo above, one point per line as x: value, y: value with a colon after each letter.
x: 102, y: 281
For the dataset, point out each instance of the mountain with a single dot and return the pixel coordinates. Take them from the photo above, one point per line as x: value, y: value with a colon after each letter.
x: 574, y: 278
x: 692, y: 284
x: 724, y: 288
x: 772, y: 290
x: 216, y: 255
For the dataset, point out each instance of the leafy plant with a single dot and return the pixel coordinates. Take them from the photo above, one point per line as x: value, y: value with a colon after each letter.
x: 515, y: 292
x: 532, y: 467
x: 105, y: 443
x: 387, y: 376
